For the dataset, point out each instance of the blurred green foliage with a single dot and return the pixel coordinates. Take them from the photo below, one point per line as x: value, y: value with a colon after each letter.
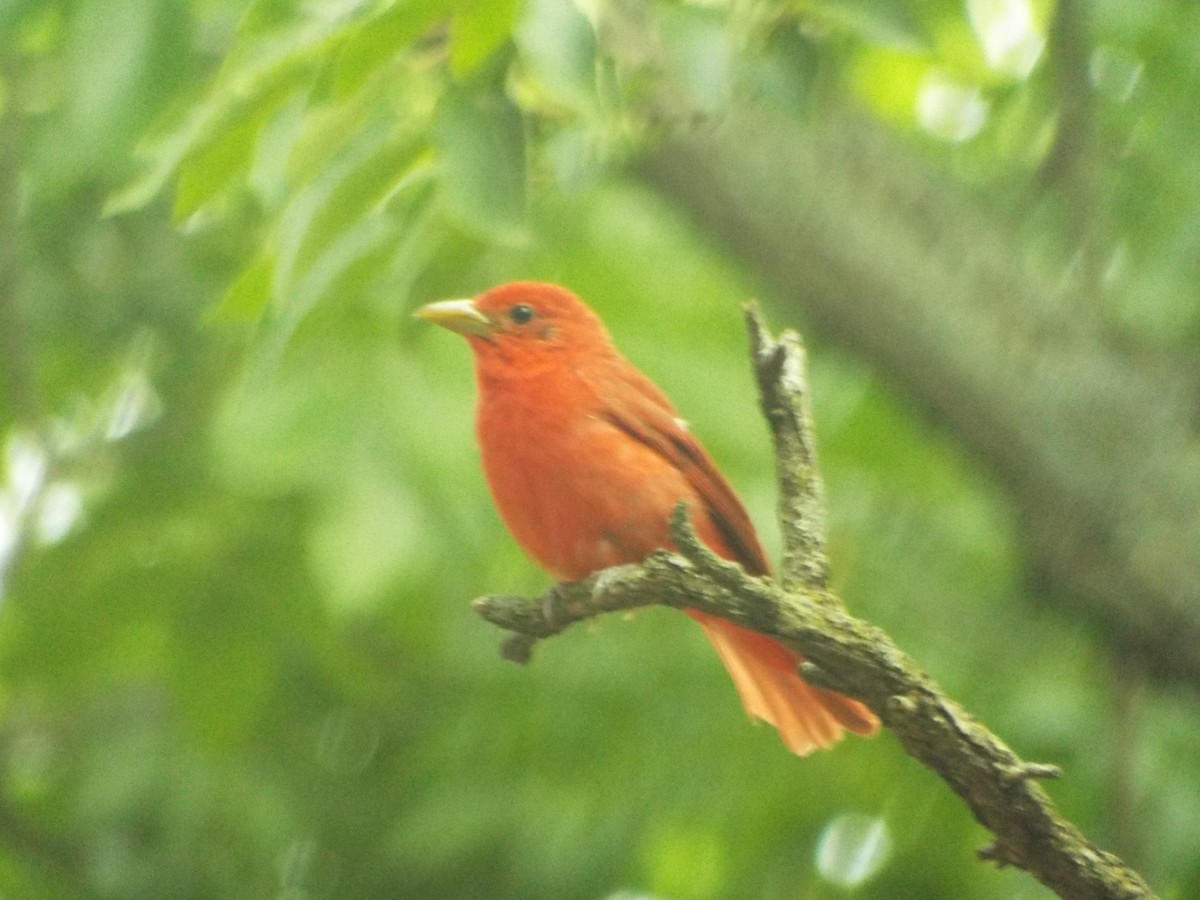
x: 242, y: 513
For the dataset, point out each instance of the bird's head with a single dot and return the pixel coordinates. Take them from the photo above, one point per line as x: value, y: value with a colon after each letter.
x: 524, y: 324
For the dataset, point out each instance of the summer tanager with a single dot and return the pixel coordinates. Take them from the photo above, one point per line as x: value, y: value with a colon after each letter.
x: 587, y: 459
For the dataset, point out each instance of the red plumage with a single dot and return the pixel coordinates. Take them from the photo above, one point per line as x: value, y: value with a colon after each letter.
x: 586, y: 459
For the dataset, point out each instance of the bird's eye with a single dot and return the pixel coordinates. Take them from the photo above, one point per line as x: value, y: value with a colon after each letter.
x: 521, y: 313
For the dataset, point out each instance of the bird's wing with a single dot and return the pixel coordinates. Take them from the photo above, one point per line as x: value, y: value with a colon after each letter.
x: 643, y: 412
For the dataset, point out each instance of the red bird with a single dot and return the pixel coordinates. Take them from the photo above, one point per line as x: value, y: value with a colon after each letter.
x: 586, y: 459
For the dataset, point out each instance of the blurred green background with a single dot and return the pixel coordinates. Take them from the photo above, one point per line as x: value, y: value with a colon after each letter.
x: 241, y: 515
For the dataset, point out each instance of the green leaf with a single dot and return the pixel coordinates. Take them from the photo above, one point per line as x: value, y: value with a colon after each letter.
x: 556, y: 41
x: 343, y: 244
x: 336, y: 125
x: 253, y: 96
x: 276, y: 54
x: 376, y: 43
x: 481, y: 145
x: 477, y: 30
x: 250, y: 293
x: 348, y: 194
x: 335, y: 231
x: 216, y: 167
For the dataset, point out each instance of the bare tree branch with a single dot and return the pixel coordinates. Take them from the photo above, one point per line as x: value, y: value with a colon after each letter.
x: 844, y: 653
x: 783, y: 389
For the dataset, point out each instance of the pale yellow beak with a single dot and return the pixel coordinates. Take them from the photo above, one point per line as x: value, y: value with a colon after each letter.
x: 457, y: 315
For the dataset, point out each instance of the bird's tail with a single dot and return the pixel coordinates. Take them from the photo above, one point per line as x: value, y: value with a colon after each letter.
x: 764, y: 672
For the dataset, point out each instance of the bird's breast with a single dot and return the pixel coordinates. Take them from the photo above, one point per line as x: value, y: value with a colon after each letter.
x: 577, y: 493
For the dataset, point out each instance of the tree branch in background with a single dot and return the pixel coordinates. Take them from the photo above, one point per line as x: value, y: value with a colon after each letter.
x: 883, y: 259
x: 844, y: 653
